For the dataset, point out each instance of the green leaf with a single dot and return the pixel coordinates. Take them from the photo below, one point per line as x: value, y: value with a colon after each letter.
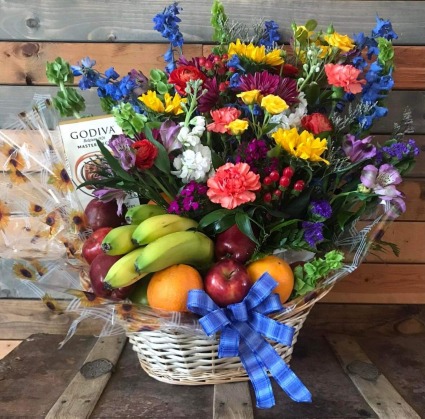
x: 114, y: 163
x: 244, y: 224
x: 213, y: 217
x: 162, y: 162
x: 312, y: 93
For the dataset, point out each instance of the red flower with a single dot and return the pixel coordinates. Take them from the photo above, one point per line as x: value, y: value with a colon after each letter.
x: 181, y: 75
x: 316, y: 123
x: 146, y: 154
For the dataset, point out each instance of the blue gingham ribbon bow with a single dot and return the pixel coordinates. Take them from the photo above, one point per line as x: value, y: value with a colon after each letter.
x: 241, y: 327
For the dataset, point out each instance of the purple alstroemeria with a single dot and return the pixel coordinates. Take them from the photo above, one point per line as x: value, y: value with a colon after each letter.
x: 111, y: 194
x: 168, y: 133
x: 358, y: 150
x: 122, y: 150
x: 382, y: 181
x: 395, y: 208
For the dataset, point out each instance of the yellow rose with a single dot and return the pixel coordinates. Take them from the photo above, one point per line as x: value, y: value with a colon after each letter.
x: 250, y: 97
x: 237, y: 127
x: 152, y: 101
x: 273, y: 104
x: 342, y: 42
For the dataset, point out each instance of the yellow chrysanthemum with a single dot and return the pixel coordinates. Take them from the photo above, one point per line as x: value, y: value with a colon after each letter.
x: 273, y: 104
x: 250, y: 97
x: 173, y: 104
x: 254, y: 53
x: 238, y: 126
x: 4, y: 215
x: 303, y: 146
x: 152, y: 101
x: 342, y: 42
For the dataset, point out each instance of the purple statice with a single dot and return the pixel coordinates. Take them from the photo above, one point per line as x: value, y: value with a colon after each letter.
x: 190, y: 198
x: 321, y: 210
x: 313, y: 232
x: 271, y: 35
x: 358, y: 150
x: 121, y: 149
x: 401, y: 150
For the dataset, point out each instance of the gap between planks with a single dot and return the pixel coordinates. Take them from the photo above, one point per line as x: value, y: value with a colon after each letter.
x: 80, y: 397
x: 375, y: 388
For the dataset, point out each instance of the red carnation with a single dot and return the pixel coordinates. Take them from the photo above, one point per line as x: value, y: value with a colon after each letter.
x: 146, y: 154
x: 181, y: 75
x: 316, y: 123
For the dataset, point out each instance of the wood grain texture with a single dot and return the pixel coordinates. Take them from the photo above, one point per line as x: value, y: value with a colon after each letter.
x: 20, y: 318
x: 381, y: 283
x: 378, y: 392
x: 15, y: 99
x: 232, y: 400
x: 124, y: 20
x: 24, y: 63
x: 7, y: 346
x: 80, y: 397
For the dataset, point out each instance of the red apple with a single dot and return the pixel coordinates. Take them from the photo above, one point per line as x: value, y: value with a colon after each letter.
x: 98, y: 270
x: 104, y: 214
x: 234, y: 244
x: 227, y: 282
x: 92, y: 246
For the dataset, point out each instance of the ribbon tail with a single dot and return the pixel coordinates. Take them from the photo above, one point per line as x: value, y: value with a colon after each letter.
x: 229, y: 343
x: 258, y: 376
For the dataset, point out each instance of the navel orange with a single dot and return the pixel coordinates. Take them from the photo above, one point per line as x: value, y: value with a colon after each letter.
x: 278, y: 269
x: 168, y: 288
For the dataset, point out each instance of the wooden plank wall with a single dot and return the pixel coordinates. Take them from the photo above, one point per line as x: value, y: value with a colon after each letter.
x: 119, y: 33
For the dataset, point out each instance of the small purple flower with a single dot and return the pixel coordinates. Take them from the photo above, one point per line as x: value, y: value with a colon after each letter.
x: 111, y: 194
x: 382, y: 181
x: 174, y: 208
x: 358, y: 150
x: 313, y: 232
x: 122, y: 150
x: 168, y: 132
x: 321, y: 210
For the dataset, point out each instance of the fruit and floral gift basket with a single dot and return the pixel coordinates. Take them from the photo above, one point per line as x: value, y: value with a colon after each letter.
x: 258, y: 186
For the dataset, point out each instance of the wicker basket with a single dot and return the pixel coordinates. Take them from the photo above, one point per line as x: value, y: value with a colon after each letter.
x: 179, y: 358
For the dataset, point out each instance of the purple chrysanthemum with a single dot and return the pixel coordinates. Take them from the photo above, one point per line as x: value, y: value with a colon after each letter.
x: 209, y: 99
x: 268, y: 83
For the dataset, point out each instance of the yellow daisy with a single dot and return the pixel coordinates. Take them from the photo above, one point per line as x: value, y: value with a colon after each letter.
x: 173, y: 104
x: 22, y: 271
x: 4, y: 215
x: 152, y: 101
x: 256, y: 54
x: 60, y: 179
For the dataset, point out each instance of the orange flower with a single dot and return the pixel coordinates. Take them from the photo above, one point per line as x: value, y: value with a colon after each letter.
x: 222, y: 118
x: 232, y: 185
x: 344, y: 76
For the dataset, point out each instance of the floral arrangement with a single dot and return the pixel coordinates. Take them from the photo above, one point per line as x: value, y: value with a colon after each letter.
x: 271, y: 138
x: 265, y: 144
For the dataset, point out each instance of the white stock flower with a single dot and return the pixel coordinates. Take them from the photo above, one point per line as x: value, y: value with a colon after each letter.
x: 288, y: 119
x: 193, y: 164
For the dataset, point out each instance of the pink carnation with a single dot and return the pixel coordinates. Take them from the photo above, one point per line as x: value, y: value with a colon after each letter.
x: 344, y: 76
x: 232, y: 185
x: 223, y: 117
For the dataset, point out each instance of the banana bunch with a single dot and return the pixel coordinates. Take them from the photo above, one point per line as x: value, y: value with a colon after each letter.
x: 156, y: 242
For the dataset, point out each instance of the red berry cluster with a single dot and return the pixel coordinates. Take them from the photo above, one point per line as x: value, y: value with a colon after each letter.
x: 281, y: 182
x: 216, y: 64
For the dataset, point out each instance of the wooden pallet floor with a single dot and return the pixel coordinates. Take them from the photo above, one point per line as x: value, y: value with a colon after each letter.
x: 370, y: 368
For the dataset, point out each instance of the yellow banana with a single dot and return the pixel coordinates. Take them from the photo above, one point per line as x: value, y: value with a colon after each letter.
x: 123, y: 272
x: 118, y: 240
x: 161, y: 225
x: 139, y: 213
x: 189, y: 247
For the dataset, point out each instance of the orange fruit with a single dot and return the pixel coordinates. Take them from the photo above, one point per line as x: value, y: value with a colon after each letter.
x: 168, y: 288
x: 278, y: 269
